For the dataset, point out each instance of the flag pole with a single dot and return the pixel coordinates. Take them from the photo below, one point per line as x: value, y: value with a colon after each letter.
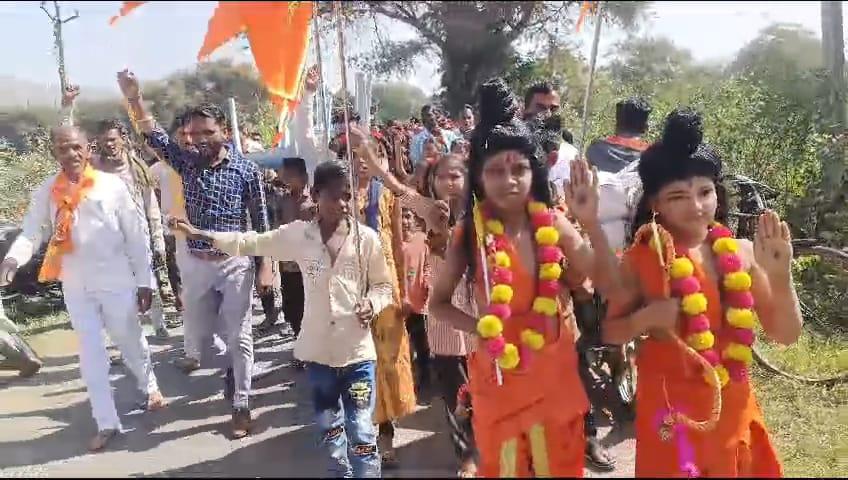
x: 325, y: 120
x: 584, y: 131
x: 352, y: 170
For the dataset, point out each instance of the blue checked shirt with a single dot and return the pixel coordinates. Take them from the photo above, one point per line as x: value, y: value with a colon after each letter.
x: 416, y: 147
x: 220, y: 198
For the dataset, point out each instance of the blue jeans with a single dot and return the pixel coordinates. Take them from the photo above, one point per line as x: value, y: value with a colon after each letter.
x: 344, y: 403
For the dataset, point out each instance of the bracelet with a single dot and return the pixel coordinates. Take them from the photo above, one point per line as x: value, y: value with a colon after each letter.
x: 145, y: 119
x: 134, y: 99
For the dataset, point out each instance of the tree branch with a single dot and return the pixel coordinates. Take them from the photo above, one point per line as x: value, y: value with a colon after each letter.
x: 401, y: 14
x: 74, y: 16
x: 52, y: 19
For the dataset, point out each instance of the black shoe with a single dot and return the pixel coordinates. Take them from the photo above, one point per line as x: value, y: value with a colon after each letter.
x: 242, y: 423
x: 229, y: 386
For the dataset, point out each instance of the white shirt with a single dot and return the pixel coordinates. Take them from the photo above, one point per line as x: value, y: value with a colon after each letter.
x: 331, y: 333
x: 111, y: 243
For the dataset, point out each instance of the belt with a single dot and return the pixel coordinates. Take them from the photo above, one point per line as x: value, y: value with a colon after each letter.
x: 208, y: 255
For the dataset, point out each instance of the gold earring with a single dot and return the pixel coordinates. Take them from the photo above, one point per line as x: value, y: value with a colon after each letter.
x: 656, y: 240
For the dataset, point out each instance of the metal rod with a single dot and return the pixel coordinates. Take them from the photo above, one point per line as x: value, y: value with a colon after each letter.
x: 593, y: 60
x: 353, y: 172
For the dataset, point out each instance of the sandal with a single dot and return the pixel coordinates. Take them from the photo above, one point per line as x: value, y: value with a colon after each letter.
x: 597, y: 457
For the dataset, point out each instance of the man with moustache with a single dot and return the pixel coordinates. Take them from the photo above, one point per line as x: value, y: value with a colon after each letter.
x: 99, y: 249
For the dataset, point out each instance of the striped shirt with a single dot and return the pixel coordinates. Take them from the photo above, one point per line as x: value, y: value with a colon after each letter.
x: 442, y: 337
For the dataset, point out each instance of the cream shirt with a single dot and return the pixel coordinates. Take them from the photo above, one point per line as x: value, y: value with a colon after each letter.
x: 171, y: 185
x: 331, y: 334
x: 109, y: 234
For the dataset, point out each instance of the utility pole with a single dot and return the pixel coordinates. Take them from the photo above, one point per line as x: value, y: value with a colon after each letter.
x: 56, y: 19
x: 833, y: 49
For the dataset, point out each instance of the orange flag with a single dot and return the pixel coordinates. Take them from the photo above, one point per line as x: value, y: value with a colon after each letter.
x: 587, y: 8
x: 126, y: 8
x: 278, y: 33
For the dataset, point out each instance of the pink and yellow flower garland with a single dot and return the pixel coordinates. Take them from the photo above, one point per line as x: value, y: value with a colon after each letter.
x: 549, y: 254
x: 740, y: 315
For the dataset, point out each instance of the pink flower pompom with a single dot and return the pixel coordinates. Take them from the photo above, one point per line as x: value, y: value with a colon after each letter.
x: 697, y: 324
x: 548, y: 288
x: 500, y: 310
x: 495, y: 346
x: 502, y: 275
x: 738, y: 371
x: 549, y: 254
x: 711, y: 356
x: 685, y: 286
x: 719, y: 231
x: 729, y: 263
x: 739, y: 299
x: 542, y: 219
x: 745, y: 336
x: 501, y: 243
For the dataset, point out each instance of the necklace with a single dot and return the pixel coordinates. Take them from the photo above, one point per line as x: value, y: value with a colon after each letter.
x: 741, y: 318
x: 545, y: 306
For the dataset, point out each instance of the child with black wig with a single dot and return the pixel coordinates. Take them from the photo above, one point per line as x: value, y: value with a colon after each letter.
x: 527, y: 395
x: 699, y: 293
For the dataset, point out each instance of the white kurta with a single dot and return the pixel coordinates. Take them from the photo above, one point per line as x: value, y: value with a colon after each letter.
x: 110, y: 260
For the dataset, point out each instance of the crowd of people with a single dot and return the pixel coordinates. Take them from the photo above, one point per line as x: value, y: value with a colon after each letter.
x: 475, y: 259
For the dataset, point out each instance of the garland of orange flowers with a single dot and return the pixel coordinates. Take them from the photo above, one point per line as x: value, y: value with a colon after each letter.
x: 549, y: 254
x: 740, y: 315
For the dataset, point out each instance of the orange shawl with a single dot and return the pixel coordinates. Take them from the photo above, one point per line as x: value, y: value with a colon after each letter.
x: 67, y: 196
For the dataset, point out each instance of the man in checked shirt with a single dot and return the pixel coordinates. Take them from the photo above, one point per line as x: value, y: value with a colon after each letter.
x: 221, y: 189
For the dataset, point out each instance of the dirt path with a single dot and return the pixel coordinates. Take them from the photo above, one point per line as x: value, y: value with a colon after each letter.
x: 46, y: 421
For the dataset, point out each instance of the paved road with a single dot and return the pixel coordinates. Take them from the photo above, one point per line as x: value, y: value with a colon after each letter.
x: 45, y: 423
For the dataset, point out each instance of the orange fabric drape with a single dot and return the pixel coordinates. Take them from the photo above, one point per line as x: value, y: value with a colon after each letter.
x: 67, y: 196
x: 278, y: 33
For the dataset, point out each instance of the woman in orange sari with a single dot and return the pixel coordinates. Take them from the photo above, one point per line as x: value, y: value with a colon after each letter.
x: 699, y: 293
x: 527, y: 396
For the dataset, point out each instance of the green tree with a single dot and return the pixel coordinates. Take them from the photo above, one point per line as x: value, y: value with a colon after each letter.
x: 398, y: 100
x: 475, y: 40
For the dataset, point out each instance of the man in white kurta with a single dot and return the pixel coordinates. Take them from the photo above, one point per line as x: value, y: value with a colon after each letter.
x: 106, y: 278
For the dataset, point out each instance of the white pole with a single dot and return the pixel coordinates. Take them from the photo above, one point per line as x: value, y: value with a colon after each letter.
x: 594, y: 58
x: 234, y: 126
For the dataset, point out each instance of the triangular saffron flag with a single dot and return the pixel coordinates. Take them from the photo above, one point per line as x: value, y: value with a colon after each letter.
x: 126, y: 8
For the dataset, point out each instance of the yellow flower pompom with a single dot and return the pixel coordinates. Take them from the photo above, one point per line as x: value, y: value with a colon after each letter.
x: 741, y: 317
x: 495, y: 227
x: 547, y: 236
x: 737, y: 281
x: 701, y: 341
x: 509, y: 358
x: 681, y: 268
x: 545, y: 306
x: 550, y: 271
x: 501, y: 293
x: 723, y: 376
x: 502, y: 260
x: 694, y: 304
x: 725, y: 245
x: 536, y: 207
x: 489, y: 326
x: 532, y: 339
x: 738, y: 352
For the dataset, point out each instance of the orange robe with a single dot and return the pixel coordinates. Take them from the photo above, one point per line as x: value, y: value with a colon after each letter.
x: 532, y: 425
x: 739, y: 446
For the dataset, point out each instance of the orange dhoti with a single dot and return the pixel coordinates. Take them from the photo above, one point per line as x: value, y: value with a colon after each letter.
x: 739, y: 446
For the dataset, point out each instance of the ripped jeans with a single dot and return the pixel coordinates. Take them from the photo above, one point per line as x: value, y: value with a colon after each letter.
x: 344, y: 404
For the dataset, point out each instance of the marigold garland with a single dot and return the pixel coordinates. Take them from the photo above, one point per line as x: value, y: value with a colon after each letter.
x: 741, y: 318
x: 490, y: 325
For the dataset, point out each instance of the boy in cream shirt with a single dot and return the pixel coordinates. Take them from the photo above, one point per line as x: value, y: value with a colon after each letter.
x: 340, y: 303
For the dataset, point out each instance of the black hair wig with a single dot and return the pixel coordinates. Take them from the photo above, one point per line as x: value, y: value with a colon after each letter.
x: 499, y: 129
x: 680, y: 154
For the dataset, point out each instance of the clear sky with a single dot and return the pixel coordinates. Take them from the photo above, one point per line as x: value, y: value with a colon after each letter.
x: 162, y: 37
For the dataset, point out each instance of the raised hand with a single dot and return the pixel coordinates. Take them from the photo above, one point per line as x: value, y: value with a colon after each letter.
x: 581, y: 192
x: 773, y: 245
x: 313, y: 77
x: 69, y: 95
x: 128, y: 83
